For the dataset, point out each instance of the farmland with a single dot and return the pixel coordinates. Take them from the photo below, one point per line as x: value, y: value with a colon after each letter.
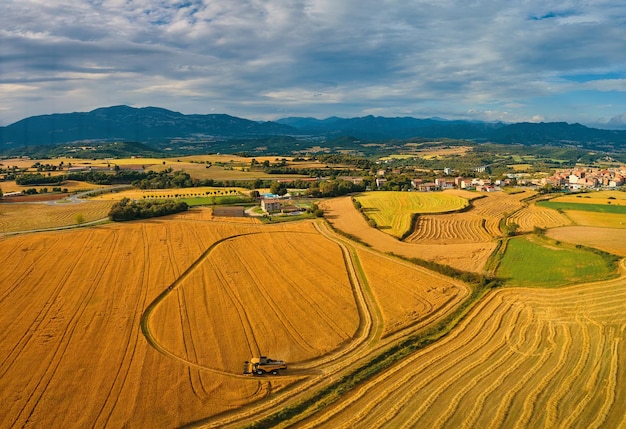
x: 392, y: 210
x: 535, y: 262
x: 148, y: 323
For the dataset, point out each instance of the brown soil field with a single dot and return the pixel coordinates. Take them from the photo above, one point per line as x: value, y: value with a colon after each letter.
x: 607, y: 239
x: 464, y: 256
x: 522, y: 358
x: 24, y: 217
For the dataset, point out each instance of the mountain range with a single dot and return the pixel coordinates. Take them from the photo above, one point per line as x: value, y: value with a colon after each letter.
x: 152, y: 125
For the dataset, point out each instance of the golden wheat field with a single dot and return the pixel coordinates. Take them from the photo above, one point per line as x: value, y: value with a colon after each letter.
x: 24, y: 217
x: 340, y: 213
x: 608, y: 239
x: 147, y: 324
x: 522, y: 358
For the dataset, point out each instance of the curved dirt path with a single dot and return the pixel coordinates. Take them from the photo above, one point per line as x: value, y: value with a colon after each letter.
x: 309, y: 377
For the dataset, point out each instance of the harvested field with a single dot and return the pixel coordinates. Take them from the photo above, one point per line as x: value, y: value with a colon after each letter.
x: 392, y: 211
x: 24, y: 217
x: 273, y: 295
x: 596, y: 197
x: 449, y: 229
x: 341, y: 213
x: 533, y: 216
x: 522, y: 358
x: 480, y: 224
x: 203, y: 191
x: 406, y: 294
x: 71, y: 304
x: 607, y: 239
x: 604, y: 220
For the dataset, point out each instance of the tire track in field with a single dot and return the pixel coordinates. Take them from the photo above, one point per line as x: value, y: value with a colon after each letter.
x: 406, y: 387
x: 274, y: 308
x: 123, y: 370
x: 39, y: 319
x: 334, y: 364
x: 25, y: 271
x: 50, y: 371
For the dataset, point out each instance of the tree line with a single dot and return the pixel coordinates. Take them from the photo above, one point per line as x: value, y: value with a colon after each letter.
x: 127, y: 209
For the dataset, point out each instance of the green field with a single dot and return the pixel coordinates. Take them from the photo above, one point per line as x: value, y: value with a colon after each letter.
x: 598, y: 208
x: 209, y: 201
x: 533, y: 262
x: 392, y: 211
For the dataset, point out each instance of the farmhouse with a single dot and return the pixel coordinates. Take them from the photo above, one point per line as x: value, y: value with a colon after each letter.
x: 271, y: 205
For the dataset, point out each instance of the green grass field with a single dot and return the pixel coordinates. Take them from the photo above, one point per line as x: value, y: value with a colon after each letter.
x: 533, y: 262
x: 392, y: 211
x: 598, y: 208
x: 209, y: 201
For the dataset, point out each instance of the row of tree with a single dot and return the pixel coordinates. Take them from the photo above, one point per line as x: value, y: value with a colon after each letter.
x: 127, y: 209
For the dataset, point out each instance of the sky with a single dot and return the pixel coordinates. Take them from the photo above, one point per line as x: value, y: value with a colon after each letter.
x: 489, y: 60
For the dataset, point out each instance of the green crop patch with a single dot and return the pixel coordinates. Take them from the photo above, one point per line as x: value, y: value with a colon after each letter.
x: 532, y: 262
x: 598, y: 208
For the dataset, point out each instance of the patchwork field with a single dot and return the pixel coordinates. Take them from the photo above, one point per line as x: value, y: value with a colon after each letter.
x: 340, y: 212
x: 147, y: 323
x: 392, y: 210
x: 212, y: 294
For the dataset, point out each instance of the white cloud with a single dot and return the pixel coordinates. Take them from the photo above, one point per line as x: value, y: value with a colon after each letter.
x: 256, y: 58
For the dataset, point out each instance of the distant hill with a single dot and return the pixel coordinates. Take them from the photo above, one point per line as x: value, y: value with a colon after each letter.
x: 163, y: 129
x: 134, y: 124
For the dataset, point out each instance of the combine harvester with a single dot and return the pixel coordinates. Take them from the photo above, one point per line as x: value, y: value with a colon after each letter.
x: 262, y: 365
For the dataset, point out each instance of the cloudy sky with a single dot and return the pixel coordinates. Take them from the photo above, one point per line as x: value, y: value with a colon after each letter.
x: 526, y: 60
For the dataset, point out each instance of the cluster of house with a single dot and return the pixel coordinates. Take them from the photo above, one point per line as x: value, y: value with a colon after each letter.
x: 588, y: 178
x: 442, y: 183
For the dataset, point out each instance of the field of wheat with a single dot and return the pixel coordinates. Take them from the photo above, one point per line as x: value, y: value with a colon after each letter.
x: 533, y: 216
x: 522, y: 358
x: 212, y: 294
x: 71, y: 302
x: 607, y: 239
x: 340, y: 212
x: 479, y: 224
x: 406, y: 294
x: 392, y: 211
x: 24, y: 217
